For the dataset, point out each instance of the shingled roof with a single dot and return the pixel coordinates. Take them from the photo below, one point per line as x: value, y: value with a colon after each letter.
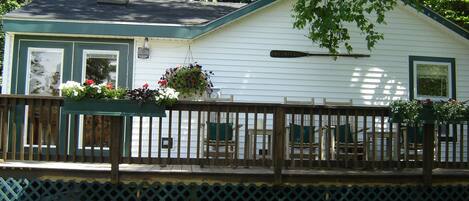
x: 137, y: 11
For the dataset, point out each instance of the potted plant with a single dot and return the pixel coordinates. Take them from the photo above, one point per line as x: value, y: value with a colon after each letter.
x: 451, y: 111
x: 407, y: 112
x: 190, y: 81
x: 104, y: 99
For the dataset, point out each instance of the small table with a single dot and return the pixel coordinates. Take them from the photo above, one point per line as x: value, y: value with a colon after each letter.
x: 259, y: 133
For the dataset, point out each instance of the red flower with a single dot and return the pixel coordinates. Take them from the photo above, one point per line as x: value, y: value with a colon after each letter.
x: 145, y: 86
x: 89, y: 82
x: 163, y: 83
x: 109, y: 85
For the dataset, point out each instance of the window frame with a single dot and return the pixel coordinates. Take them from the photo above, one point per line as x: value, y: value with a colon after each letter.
x: 415, y: 60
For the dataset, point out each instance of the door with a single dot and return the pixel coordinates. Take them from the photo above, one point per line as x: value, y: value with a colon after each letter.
x: 40, y: 64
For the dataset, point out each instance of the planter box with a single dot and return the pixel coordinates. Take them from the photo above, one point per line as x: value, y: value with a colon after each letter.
x: 113, y: 108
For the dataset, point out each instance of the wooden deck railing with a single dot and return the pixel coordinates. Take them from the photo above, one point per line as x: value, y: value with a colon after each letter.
x: 276, y: 136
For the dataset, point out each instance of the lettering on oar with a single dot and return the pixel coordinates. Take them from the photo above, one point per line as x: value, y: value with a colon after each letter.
x: 294, y: 54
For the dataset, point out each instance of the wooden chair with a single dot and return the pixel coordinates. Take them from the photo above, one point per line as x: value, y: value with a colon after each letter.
x: 346, y: 143
x: 308, y: 145
x: 220, y: 140
x: 303, y: 144
x: 412, y: 141
x: 220, y: 129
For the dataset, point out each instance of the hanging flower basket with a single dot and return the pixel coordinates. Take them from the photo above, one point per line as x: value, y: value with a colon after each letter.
x: 113, y: 108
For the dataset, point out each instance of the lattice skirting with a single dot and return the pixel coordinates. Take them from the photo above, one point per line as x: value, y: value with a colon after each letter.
x: 23, y: 189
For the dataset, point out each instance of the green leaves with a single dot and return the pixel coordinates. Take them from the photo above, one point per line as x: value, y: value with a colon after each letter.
x: 326, y: 20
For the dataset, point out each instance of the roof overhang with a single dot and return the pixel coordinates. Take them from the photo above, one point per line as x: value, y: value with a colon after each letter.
x: 124, y: 28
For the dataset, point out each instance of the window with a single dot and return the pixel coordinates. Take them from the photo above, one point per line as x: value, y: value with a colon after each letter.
x: 101, y: 65
x: 44, y: 71
x: 432, y: 78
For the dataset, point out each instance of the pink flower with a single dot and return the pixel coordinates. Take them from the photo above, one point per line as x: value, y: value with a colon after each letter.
x: 145, y: 86
x: 109, y: 85
x: 163, y: 83
x: 89, y: 82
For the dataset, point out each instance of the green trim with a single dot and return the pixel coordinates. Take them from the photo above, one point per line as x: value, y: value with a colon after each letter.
x: 144, y: 30
x: 438, y: 18
x: 412, y: 59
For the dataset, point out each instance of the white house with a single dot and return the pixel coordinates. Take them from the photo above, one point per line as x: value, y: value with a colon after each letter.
x: 50, y: 41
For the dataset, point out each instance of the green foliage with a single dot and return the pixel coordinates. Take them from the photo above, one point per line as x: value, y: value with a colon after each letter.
x: 451, y: 111
x: 189, y: 80
x: 327, y: 20
x: 454, y: 10
x: 407, y: 112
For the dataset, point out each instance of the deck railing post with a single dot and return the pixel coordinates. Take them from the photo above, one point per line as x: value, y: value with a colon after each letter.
x: 428, y: 145
x: 115, y: 155
x: 279, y: 143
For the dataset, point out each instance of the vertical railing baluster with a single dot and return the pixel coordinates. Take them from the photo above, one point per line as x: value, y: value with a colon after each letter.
x: 150, y: 139
x: 264, y: 130
x: 179, y: 136
x: 225, y: 139
x: 140, y: 135
x: 170, y: 139
x: 207, y: 140
x: 5, y: 130
x: 49, y: 120
x: 455, y: 137
x: 92, y: 137
x: 382, y: 139
x: 101, y: 139
x: 83, y: 140
x: 347, y: 133
x: 14, y: 129
x: 246, y: 138
x: 57, y: 132
x: 461, y: 145
x: 198, y: 136
x: 302, y: 133
x: 291, y: 134
x: 189, y: 135
x: 355, y: 140
x: 321, y: 146
x: 29, y: 130
x: 217, y: 138
x: 254, y: 143
x: 390, y: 144
x: 329, y: 138
x: 311, y: 136
x: 366, y: 155
x: 447, y: 147
x: 398, y: 144
x: 373, y: 132
x: 236, y: 154
x: 467, y: 143
x: 336, y: 142
x: 75, y: 136
x: 438, y: 153
x: 160, y: 131
x: 40, y: 129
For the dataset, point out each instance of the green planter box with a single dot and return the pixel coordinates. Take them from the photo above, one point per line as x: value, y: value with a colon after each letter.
x: 113, y: 108
x: 426, y: 116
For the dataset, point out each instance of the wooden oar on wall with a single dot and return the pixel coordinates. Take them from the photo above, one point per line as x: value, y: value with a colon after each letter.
x: 295, y: 54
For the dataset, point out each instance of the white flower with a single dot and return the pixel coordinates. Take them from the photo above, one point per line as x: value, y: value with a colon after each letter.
x: 75, y: 93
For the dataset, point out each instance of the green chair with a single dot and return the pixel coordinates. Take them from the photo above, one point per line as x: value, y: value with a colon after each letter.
x: 302, y: 148
x: 225, y: 140
x: 348, y: 146
x: 412, y: 140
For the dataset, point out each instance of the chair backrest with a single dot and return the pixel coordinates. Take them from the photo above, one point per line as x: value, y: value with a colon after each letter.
x: 298, y: 102
x: 344, y: 130
x: 225, y: 131
x: 229, y: 98
x: 295, y: 133
x: 337, y: 103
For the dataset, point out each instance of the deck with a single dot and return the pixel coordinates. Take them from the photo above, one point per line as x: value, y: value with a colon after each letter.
x: 229, y: 142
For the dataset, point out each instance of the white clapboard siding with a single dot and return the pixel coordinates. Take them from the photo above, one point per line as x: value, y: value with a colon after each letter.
x: 238, y: 54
